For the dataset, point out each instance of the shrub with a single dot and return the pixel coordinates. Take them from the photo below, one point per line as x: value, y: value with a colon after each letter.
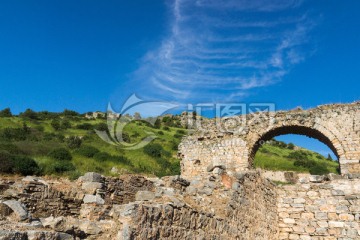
x: 319, y: 170
x: 5, y: 113
x: 166, y: 128
x: 153, y: 149
x: 55, y: 123
x: 25, y: 165
x: 17, y: 134
x: 73, y: 142
x: 29, y: 114
x: 121, y: 159
x: 305, y: 163
x: 175, y: 168
x: 6, y: 162
x: 70, y: 113
x: 88, y: 151
x: 60, y: 154
x: 60, y: 167
x: 102, y: 156
x: 102, y: 127
x: 160, y: 132
x: 291, y: 146
x: 298, y: 155
x: 66, y: 124
x: 10, y: 148
x: 174, y: 145
x: 176, y: 135
x: 85, y: 126
x: 180, y: 131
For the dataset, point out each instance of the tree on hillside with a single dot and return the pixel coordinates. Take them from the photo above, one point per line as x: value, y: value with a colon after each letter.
x: 71, y: 113
x: 29, y: 114
x: 5, y: 113
x: 157, y: 123
x: 56, y: 124
x: 291, y: 146
x: 329, y: 157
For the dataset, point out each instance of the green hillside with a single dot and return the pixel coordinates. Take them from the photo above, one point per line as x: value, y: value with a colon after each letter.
x: 279, y: 156
x: 49, y: 137
x: 65, y: 143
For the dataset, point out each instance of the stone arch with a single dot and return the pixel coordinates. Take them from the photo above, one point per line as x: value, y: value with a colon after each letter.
x: 327, y: 138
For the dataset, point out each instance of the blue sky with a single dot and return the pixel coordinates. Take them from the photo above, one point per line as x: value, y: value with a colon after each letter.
x: 82, y: 54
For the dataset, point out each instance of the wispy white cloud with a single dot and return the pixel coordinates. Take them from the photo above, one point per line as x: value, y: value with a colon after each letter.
x: 225, y: 48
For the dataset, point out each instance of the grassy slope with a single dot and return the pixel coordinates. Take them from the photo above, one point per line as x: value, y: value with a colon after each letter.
x: 136, y: 130
x: 276, y: 158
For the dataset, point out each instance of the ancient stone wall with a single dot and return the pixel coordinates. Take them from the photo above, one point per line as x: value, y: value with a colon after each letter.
x: 243, y: 207
x: 337, y: 126
x: 320, y: 209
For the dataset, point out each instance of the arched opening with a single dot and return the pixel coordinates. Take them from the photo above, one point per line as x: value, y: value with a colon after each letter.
x: 270, y: 153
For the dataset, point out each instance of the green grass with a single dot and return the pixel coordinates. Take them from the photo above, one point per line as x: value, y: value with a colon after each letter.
x: 138, y: 161
x: 276, y: 158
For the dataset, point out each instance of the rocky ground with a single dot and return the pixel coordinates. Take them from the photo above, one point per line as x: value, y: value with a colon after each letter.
x: 244, y: 205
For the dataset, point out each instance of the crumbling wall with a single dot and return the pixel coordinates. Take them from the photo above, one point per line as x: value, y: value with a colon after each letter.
x: 241, y: 207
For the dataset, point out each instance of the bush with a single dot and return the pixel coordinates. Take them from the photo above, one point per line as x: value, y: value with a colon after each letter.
x: 66, y: 124
x: 298, y: 155
x: 61, y: 167
x: 176, y: 135
x: 319, y: 170
x: 102, y: 156
x: 29, y: 114
x: 5, y: 113
x: 102, y: 127
x: 11, y: 148
x: 73, y: 142
x: 180, y: 131
x: 174, y: 145
x: 153, y: 149
x: 166, y: 128
x: 85, y: 126
x: 291, y: 146
x: 121, y: 159
x: 16, y: 134
x: 60, y: 154
x: 305, y: 163
x: 87, y: 151
x: 160, y: 132
x: 70, y: 113
x: 25, y: 165
x: 55, y: 123
x: 6, y: 162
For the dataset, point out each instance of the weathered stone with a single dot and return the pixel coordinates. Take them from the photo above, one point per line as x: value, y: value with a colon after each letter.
x: 18, y: 208
x: 316, y: 178
x: 91, y: 187
x: 144, y: 196
x: 93, y: 199
x: 92, y: 177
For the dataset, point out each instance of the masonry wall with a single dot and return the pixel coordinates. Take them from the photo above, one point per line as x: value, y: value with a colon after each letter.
x: 323, y: 210
x: 245, y: 211
x: 338, y: 126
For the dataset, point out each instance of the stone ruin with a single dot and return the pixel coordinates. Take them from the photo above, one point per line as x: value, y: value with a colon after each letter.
x: 214, y: 198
